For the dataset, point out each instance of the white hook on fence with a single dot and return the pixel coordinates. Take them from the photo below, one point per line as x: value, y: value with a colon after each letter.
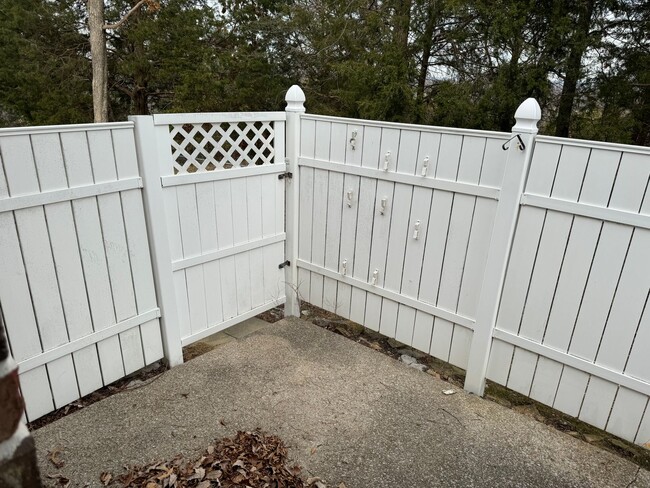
x: 382, y: 205
x: 353, y: 140
x: 375, y: 275
x: 425, y: 165
x: 349, y: 196
x: 416, y: 230
x: 344, y: 267
x: 386, y: 160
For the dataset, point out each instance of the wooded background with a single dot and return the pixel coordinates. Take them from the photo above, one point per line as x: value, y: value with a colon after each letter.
x: 446, y: 62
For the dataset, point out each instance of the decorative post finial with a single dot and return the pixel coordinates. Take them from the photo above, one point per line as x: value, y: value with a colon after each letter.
x: 527, y: 116
x: 295, y: 99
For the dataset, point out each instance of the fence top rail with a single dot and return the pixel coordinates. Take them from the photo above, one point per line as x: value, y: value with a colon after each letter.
x: 218, y: 117
x: 401, y: 125
x: 611, y: 146
x: 49, y: 129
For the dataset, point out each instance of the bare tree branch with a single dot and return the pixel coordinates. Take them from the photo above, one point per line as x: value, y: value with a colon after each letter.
x: 128, y: 14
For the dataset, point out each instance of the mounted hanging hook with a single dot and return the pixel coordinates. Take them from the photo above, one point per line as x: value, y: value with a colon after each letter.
x: 386, y: 160
x: 520, y: 143
x: 353, y: 140
x: 382, y: 205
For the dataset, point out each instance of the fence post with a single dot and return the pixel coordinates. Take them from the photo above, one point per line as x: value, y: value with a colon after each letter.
x: 505, y: 221
x: 154, y: 208
x: 295, y: 99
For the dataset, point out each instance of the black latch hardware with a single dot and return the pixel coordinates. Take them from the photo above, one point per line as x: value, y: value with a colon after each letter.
x: 282, y: 176
x: 286, y: 263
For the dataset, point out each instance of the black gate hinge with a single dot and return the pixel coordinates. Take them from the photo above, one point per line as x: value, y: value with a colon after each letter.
x: 282, y: 176
x: 286, y: 263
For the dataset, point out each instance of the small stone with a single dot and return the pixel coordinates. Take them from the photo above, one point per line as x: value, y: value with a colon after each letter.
x: 433, y: 373
x: 448, y: 392
x: 406, y: 359
x: 419, y: 367
x: 412, y: 352
x: 591, y: 438
x: 573, y: 433
x: 305, y: 313
x: 393, y: 343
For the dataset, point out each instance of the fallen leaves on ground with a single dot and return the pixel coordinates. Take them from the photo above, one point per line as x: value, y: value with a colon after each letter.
x: 249, y: 459
x: 53, y: 457
x: 62, y: 480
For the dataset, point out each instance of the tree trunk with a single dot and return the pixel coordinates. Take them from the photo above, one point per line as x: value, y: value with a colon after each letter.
x: 18, y: 466
x: 99, y: 59
x: 427, y: 39
x: 573, y: 71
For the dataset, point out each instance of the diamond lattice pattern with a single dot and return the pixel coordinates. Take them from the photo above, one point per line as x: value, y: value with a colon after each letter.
x: 208, y: 147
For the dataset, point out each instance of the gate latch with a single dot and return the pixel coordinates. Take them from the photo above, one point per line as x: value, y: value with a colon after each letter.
x: 286, y: 263
x: 282, y: 176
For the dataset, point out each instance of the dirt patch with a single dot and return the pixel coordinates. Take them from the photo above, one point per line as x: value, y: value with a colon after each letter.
x: 196, y: 349
x: 273, y: 315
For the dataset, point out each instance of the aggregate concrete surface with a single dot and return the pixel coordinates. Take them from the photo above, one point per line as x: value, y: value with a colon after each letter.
x: 348, y: 413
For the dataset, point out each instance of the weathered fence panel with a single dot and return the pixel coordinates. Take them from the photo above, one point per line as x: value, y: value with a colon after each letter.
x: 76, y: 289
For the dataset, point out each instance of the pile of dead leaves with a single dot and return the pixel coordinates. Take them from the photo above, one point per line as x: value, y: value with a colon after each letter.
x: 250, y: 459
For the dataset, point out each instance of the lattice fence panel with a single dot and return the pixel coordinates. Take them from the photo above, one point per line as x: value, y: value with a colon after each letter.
x: 209, y: 147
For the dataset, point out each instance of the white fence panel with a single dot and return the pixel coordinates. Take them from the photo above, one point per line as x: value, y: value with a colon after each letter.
x: 76, y: 294
x: 223, y: 202
x: 573, y: 319
x: 388, y: 234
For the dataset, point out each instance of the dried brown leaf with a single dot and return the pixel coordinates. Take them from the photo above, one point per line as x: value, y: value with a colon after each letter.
x: 54, y: 457
x: 105, y: 478
x: 62, y: 480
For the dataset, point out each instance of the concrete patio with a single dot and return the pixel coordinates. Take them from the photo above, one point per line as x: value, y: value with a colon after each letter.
x: 348, y: 413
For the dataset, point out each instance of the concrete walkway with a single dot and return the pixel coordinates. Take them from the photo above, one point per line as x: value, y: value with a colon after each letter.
x: 348, y: 413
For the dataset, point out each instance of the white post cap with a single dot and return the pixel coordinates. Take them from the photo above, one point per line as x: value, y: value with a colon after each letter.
x: 527, y: 116
x: 295, y: 99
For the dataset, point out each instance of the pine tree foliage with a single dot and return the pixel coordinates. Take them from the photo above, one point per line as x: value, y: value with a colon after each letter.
x: 445, y: 62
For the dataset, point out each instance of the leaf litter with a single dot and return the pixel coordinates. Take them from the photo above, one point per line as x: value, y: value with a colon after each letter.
x: 249, y: 459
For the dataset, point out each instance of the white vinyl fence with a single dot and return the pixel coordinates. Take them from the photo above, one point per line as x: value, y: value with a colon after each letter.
x: 519, y: 258
x: 76, y: 288
x: 530, y: 265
